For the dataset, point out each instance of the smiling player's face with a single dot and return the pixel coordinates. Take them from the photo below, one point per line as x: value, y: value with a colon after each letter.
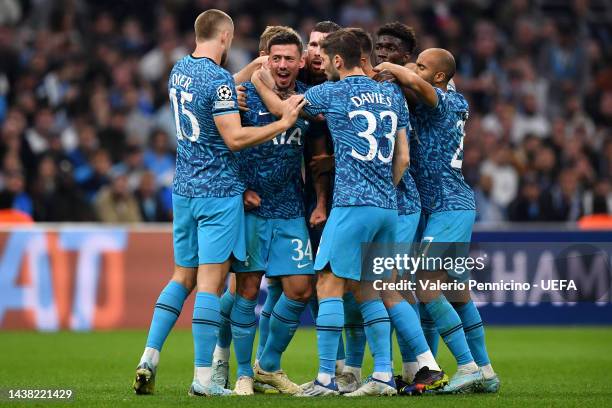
x: 285, y: 62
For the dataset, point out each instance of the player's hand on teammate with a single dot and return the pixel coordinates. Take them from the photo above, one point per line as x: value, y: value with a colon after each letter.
x: 385, y: 72
x: 318, y: 216
x: 321, y: 164
x: 384, y: 76
x: 251, y: 200
x: 291, y: 108
x: 242, y: 98
x: 264, y: 75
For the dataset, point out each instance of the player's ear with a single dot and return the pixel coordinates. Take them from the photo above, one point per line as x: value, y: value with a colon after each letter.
x: 226, y: 37
x: 338, y: 63
x: 302, y: 61
x: 439, y: 77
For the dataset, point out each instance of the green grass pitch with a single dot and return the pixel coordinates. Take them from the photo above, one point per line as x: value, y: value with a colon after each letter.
x: 538, y: 366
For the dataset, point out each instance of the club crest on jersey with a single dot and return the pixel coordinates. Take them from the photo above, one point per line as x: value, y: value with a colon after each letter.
x: 224, y: 93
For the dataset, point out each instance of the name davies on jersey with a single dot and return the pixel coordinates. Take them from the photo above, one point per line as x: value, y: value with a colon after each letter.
x: 371, y: 97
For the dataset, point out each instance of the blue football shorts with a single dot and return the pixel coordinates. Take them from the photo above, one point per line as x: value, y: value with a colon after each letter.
x: 345, y: 231
x: 276, y: 246
x: 207, y: 230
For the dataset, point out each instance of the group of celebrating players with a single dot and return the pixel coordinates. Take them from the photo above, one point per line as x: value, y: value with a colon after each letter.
x: 242, y: 194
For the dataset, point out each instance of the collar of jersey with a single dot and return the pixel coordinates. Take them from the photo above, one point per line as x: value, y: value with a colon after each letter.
x: 356, y: 76
x: 200, y: 58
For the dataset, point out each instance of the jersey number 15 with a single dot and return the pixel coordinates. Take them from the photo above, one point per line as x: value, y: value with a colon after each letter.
x: 195, y: 126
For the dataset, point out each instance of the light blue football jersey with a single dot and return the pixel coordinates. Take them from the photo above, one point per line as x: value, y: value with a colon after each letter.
x: 436, y: 153
x: 274, y: 169
x: 408, y: 199
x: 363, y: 117
x: 205, y: 167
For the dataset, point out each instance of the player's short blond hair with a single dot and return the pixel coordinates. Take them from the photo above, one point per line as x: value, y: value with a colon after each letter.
x: 209, y: 23
x: 270, y: 32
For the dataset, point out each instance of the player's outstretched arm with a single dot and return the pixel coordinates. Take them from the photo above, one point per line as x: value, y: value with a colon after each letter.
x: 401, y: 155
x: 245, y: 73
x: 237, y: 137
x: 406, y: 77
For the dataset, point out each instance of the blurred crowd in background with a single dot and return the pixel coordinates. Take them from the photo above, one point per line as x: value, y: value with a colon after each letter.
x: 86, y: 130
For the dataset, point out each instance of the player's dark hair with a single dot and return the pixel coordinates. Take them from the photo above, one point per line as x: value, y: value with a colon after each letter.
x: 326, y: 27
x: 345, y: 44
x: 270, y: 32
x: 286, y: 37
x: 208, y: 23
x: 401, y: 31
x: 365, y: 39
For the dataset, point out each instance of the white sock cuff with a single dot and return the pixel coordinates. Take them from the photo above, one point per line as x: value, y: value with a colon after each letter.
x: 379, y: 375
x: 427, y: 359
x: 150, y: 355
x: 222, y: 354
x: 487, y: 371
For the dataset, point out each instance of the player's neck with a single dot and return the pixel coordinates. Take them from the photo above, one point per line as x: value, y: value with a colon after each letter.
x: 288, y: 89
x: 443, y: 86
x: 351, y: 72
x: 208, y: 49
x: 369, y: 71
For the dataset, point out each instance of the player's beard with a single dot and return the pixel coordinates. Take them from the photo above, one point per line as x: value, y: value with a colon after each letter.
x: 332, y: 73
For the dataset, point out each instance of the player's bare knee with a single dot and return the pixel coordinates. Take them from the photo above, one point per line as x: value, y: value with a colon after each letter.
x: 301, y: 293
x: 232, y: 283
x: 247, y: 285
x: 391, y: 298
x: 329, y: 285
x: 185, y: 276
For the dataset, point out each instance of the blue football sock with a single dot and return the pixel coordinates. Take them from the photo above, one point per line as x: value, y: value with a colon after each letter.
x: 474, y: 332
x: 408, y: 355
x: 410, y: 336
x: 330, y: 321
x: 355, y: 334
x: 391, y: 329
x: 340, y: 355
x: 378, y: 333
x: 205, y: 326
x: 313, y: 306
x: 274, y: 293
x: 429, y: 329
x: 225, y: 331
x: 283, y: 323
x: 167, y: 310
x: 244, y: 325
x: 450, y: 328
